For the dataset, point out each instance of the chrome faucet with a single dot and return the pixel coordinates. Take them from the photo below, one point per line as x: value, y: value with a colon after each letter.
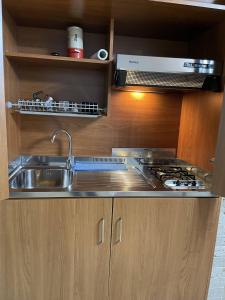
x: 70, y: 158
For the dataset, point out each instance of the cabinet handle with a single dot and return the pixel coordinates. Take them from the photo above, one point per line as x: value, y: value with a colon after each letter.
x: 101, y: 231
x: 119, y: 230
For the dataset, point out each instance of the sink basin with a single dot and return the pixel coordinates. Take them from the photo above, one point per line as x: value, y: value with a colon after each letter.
x: 41, y: 178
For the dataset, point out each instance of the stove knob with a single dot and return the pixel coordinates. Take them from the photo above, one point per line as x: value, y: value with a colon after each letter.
x: 193, y: 183
x: 178, y: 183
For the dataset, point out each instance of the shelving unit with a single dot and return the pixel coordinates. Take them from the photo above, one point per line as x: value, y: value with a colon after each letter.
x: 56, y: 61
x: 29, y: 62
x: 154, y: 28
x: 188, y: 123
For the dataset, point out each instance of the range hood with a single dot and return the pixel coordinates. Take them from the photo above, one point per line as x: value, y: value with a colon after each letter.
x: 166, y: 72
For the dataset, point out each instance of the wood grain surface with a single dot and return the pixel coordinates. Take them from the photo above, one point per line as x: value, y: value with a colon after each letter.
x: 167, y: 19
x: 200, y: 118
x: 50, y: 249
x: 219, y: 169
x: 11, y: 87
x: 135, y: 120
x: 3, y: 134
x: 166, y: 248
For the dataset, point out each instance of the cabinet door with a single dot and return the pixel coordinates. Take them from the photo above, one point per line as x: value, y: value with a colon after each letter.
x: 162, y: 248
x: 51, y: 249
x: 3, y: 138
x: 219, y: 168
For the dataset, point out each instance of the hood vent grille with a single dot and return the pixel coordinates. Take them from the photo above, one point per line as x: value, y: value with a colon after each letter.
x: 166, y: 72
x: 165, y: 80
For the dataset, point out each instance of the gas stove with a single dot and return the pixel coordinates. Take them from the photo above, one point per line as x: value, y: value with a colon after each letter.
x: 177, y: 177
x: 165, y: 172
x: 174, y: 174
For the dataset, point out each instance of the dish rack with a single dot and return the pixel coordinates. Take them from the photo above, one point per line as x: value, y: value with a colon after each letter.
x: 56, y: 108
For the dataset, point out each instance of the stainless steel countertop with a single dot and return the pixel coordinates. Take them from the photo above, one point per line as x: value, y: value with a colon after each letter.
x: 130, y: 183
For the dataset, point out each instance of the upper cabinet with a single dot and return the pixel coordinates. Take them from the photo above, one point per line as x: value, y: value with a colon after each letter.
x: 158, y: 18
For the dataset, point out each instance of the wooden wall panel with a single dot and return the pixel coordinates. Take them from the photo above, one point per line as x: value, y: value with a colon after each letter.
x: 210, y: 44
x: 200, y: 117
x: 200, y: 114
x: 13, y: 120
x: 45, y: 41
x: 152, y: 121
x: 135, y: 120
x: 219, y: 174
x: 3, y: 134
x: 11, y: 88
x: 145, y: 46
x: 62, y: 83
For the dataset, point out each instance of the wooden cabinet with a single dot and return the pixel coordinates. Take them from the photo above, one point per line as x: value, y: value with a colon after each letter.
x: 60, y: 249
x: 51, y: 250
x: 162, y: 248
x: 187, y: 122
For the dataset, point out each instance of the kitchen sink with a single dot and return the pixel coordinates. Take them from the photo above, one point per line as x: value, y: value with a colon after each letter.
x: 41, y: 178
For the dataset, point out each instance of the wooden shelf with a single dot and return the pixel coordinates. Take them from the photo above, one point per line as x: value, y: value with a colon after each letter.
x: 57, y: 61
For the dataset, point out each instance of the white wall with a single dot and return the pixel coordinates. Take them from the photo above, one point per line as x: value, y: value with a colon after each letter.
x: 217, y: 282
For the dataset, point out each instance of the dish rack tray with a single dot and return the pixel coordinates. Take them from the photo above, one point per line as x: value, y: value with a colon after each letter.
x: 56, y: 108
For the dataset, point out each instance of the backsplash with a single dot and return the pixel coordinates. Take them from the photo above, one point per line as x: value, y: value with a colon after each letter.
x: 134, y: 120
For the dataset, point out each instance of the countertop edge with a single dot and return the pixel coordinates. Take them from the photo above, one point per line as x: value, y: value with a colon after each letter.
x: 115, y: 194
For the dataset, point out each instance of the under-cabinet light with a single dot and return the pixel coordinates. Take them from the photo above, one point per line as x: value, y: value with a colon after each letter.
x: 137, y: 95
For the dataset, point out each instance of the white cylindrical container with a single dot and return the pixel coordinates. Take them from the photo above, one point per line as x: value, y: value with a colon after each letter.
x: 75, y: 42
x: 102, y: 54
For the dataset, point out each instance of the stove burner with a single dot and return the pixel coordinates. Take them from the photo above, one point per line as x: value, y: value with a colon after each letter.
x: 176, y: 177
